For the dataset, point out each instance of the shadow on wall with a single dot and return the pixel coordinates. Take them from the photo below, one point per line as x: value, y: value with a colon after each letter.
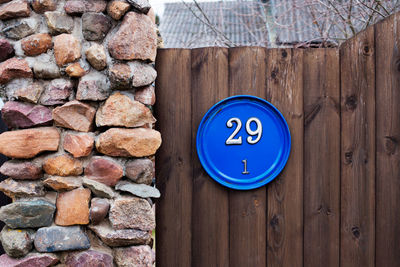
x: 4, y: 200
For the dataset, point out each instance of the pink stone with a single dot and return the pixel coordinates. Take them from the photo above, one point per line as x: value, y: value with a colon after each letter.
x: 6, y: 50
x: 24, y: 115
x: 78, y: 145
x: 14, y: 68
x: 15, y: 9
x: 134, y: 256
x: 104, y: 170
x: 21, y: 170
x: 89, y: 258
x: 146, y: 95
x: 135, y: 39
x: 30, y: 260
x: 75, y: 115
x: 57, y: 92
x: 78, y: 7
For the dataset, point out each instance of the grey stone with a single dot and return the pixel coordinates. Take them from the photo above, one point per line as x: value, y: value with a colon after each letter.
x: 98, y: 210
x: 59, y: 238
x: 89, y: 258
x: 134, y: 256
x: 94, y: 87
x: 59, y: 22
x: 140, y: 171
x: 58, y: 92
x: 14, y: 189
x: 95, y: 26
x: 30, y: 260
x: 28, y: 214
x: 16, y: 243
x: 117, y: 238
x: 143, y: 74
x: 20, y: 28
x: 141, y: 5
x: 132, y: 213
x: 46, y: 70
x: 140, y: 190
x: 99, y: 189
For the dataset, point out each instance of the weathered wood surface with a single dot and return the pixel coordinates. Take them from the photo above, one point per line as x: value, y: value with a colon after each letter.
x: 357, y: 231
x: 337, y: 202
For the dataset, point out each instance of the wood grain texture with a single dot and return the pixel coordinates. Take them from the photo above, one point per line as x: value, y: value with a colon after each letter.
x: 247, y: 209
x: 321, y: 157
x: 210, y: 231
x: 357, y: 247
x: 284, y: 74
x: 174, y: 159
x: 387, y: 49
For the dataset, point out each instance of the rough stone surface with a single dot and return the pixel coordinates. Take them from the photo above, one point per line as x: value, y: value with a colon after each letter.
x: 25, y: 115
x: 93, y: 87
x: 88, y: 259
x: 143, y: 74
x: 104, y: 170
x: 75, y: 70
x: 59, y: 22
x: 141, y: 5
x: 27, y: 214
x: 78, y: 7
x: 60, y: 183
x: 122, y: 110
x: 95, y: 26
x: 67, y: 49
x: 14, y: 188
x: 62, y: 165
x: 41, y: 6
x: 135, y: 39
x: 15, y: 9
x: 120, y: 76
x: 96, y: 55
x: 124, y: 237
x: 138, y: 142
x: 20, y: 29
x: 36, y: 44
x: 30, y: 93
x: 78, y: 145
x: 140, y: 190
x: 58, y: 238
x: 46, y: 70
x: 98, y: 189
x: 116, y: 9
x: 30, y: 260
x: 16, y: 243
x: 6, y: 50
x: 58, y: 91
x: 28, y: 143
x: 140, y: 171
x: 21, y: 170
x: 132, y: 213
x: 14, y: 68
x: 134, y: 256
x: 146, y: 95
x: 98, y: 210
x: 75, y: 115
x: 73, y: 207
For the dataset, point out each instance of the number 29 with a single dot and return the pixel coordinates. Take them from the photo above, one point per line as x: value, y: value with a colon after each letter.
x: 238, y: 141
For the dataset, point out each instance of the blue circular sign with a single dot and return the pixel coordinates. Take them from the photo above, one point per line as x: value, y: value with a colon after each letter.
x: 243, y: 142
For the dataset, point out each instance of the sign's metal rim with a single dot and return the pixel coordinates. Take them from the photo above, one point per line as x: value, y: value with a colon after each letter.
x: 214, y: 110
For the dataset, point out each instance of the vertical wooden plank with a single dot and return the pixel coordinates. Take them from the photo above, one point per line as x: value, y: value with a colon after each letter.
x: 210, y: 231
x: 357, y: 66
x: 387, y: 50
x: 285, y: 194
x: 321, y: 157
x: 247, y: 209
x: 174, y: 159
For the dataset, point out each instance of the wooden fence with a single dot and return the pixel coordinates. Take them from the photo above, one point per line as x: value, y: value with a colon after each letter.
x: 337, y: 202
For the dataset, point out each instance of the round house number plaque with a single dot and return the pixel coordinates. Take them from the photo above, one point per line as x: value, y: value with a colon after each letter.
x: 243, y: 142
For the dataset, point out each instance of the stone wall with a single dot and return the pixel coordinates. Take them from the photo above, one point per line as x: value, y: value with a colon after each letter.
x: 77, y: 80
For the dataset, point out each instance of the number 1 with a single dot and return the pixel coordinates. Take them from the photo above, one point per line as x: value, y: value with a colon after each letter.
x: 245, y: 167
